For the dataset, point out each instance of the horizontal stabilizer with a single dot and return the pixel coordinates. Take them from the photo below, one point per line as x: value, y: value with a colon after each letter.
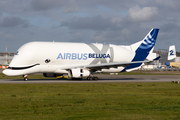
x: 157, y: 58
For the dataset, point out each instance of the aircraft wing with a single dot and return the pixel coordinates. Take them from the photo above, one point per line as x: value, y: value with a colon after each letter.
x: 112, y: 65
x: 96, y: 67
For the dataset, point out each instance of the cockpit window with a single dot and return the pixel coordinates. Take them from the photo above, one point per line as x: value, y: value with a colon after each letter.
x: 17, y: 53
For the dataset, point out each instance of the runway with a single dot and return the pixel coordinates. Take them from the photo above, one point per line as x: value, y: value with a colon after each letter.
x: 102, y: 79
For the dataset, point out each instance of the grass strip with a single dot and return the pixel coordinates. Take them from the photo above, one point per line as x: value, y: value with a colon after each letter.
x: 136, y: 101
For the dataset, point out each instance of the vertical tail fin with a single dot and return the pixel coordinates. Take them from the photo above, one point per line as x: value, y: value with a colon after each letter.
x: 145, y: 46
x: 172, y: 52
x: 142, y: 49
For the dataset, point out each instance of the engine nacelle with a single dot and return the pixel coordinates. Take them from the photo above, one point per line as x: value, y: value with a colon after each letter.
x: 78, y: 73
x: 51, y: 75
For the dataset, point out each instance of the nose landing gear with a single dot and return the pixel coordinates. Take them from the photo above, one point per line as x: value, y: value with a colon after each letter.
x: 25, y: 77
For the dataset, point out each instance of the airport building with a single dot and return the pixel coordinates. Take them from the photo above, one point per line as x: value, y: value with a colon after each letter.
x: 161, y: 63
x: 164, y: 55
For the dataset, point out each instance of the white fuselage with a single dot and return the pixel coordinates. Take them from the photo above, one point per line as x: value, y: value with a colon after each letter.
x: 56, y: 57
x: 80, y: 59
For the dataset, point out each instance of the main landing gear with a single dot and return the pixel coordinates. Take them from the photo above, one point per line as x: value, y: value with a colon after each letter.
x: 92, y: 78
x: 25, y: 77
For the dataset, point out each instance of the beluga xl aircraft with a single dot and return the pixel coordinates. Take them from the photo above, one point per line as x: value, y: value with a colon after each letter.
x: 80, y: 60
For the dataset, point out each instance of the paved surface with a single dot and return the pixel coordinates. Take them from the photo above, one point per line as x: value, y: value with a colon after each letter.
x: 102, y: 79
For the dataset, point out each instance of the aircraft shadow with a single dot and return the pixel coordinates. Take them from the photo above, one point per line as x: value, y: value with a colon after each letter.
x: 63, y: 79
x: 38, y: 79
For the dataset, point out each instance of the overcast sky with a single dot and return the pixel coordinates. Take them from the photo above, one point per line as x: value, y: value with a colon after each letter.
x: 121, y: 22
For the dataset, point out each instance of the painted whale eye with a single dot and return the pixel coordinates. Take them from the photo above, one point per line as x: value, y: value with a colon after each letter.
x: 47, y: 60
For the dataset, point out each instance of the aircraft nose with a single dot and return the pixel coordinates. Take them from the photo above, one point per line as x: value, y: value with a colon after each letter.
x: 6, y: 72
x: 10, y: 72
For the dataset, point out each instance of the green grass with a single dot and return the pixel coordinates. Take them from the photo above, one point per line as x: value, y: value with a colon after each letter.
x: 104, y: 101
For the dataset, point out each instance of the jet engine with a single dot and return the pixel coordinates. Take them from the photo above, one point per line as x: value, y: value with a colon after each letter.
x: 78, y: 73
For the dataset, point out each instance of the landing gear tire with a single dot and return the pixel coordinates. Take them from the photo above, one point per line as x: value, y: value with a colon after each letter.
x: 92, y: 78
x: 95, y: 78
x: 25, y: 77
